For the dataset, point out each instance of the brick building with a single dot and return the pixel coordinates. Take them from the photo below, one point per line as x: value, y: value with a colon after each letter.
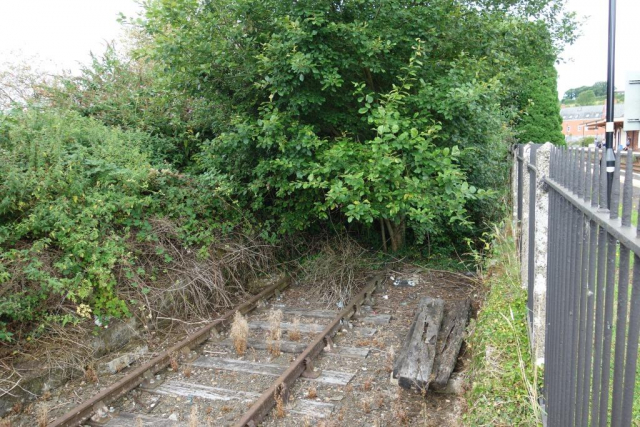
x: 578, y: 122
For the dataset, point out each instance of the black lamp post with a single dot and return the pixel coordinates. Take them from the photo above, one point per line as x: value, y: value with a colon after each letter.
x: 610, y: 127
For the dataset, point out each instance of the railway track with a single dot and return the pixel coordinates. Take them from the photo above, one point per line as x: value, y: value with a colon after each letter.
x: 204, y: 370
x: 636, y: 163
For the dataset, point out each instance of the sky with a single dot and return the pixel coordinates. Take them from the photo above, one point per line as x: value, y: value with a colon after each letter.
x: 585, y: 62
x: 61, y: 33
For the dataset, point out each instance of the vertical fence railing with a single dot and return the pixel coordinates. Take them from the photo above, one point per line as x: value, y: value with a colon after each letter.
x: 520, y: 178
x: 531, y: 167
x: 592, y: 314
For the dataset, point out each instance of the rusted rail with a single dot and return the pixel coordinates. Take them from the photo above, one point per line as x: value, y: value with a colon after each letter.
x: 85, y: 410
x: 281, y: 387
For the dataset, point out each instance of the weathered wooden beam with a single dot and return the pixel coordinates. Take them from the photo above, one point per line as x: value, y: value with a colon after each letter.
x: 270, y: 369
x: 305, y: 328
x: 125, y: 419
x: 298, y: 347
x: 321, y: 314
x: 450, y: 338
x: 285, y: 346
x: 414, y: 364
x: 185, y: 389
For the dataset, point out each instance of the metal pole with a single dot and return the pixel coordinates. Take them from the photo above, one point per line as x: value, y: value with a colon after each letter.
x: 610, y: 128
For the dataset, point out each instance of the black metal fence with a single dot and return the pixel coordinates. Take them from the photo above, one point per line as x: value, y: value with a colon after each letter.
x: 530, y: 173
x: 592, y: 314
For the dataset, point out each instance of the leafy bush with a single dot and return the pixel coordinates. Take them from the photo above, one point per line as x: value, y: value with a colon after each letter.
x: 298, y: 144
x: 75, y: 197
x: 119, y: 90
x: 399, y: 177
x: 65, y: 182
x: 587, y: 141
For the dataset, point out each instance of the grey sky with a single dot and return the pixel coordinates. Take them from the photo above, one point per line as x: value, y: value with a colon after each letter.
x: 62, y: 32
x: 586, y: 60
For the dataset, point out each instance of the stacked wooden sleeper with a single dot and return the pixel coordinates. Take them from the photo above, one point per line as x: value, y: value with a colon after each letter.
x: 430, y: 351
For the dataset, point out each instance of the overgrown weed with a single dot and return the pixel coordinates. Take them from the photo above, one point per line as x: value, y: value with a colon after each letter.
x: 274, y: 334
x: 337, y: 270
x: 294, y: 334
x: 239, y: 333
x: 503, y: 383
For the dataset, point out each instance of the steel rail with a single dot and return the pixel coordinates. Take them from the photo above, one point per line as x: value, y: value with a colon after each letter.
x: 280, y: 387
x: 85, y: 410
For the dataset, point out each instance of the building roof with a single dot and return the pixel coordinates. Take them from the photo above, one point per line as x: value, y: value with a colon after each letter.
x: 585, y: 112
x: 618, y: 117
x: 593, y: 112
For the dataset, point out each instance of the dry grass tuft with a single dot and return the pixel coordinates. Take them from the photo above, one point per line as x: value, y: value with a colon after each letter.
x: 187, y: 371
x: 366, y: 406
x: 337, y: 271
x: 193, y: 416
x: 139, y: 422
x: 275, y: 333
x: 173, y: 362
x: 280, y: 413
x: 390, y: 359
x: 380, y: 401
x: 366, y: 386
x: 42, y: 414
x: 312, y: 393
x: 90, y: 374
x: 398, y: 410
x: 239, y: 333
x: 17, y: 408
x: 294, y: 333
x: 194, y: 283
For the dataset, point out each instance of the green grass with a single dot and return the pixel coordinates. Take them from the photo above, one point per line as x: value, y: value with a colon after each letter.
x: 503, y: 381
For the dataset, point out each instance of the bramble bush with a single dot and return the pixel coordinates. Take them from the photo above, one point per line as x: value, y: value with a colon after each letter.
x: 74, y: 194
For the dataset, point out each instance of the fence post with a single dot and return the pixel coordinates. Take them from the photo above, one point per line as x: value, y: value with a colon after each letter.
x: 514, y: 191
x: 541, y: 224
x: 524, y: 223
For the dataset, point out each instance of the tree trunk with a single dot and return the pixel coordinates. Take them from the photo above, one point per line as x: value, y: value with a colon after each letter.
x: 384, y: 237
x: 396, y: 233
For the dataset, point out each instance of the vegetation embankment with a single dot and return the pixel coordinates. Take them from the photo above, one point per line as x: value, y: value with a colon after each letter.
x: 160, y: 179
x: 91, y: 230
x: 589, y: 95
x: 503, y: 380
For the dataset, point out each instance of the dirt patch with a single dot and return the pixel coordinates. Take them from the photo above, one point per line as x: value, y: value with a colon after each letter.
x: 371, y: 398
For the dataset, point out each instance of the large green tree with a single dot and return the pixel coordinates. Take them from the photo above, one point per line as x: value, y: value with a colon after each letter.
x: 588, y: 97
x: 541, y: 121
x: 309, y: 94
